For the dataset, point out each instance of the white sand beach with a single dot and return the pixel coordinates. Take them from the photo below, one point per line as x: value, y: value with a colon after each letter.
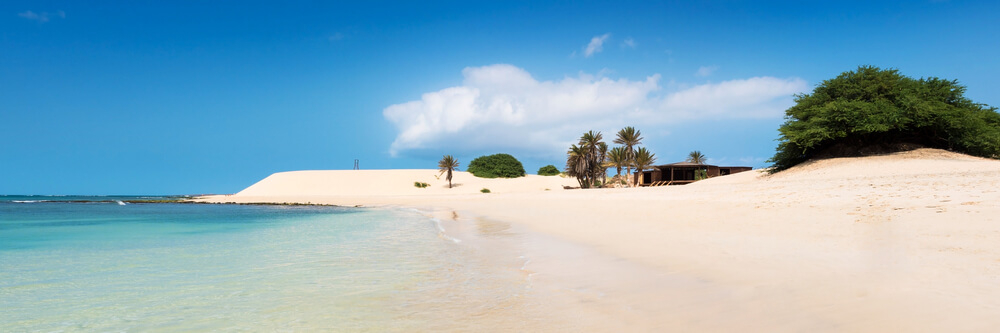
x: 902, y: 242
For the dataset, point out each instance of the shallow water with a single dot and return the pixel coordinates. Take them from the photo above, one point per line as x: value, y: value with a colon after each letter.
x: 104, y: 266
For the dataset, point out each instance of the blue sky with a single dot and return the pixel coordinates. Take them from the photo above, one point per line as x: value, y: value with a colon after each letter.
x: 208, y: 97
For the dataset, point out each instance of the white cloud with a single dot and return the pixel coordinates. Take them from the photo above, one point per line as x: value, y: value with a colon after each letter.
x: 503, y: 108
x: 596, y: 45
x: 706, y: 70
x: 756, y: 97
x: 41, y: 17
x: 629, y: 43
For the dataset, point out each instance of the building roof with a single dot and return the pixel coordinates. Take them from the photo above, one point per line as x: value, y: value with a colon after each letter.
x: 690, y: 165
x: 684, y: 164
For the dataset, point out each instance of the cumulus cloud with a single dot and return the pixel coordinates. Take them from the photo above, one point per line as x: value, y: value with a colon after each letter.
x: 41, y: 17
x: 706, y: 70
x: 756, y: 97
x: 502, y: 107
x: 596, y: 45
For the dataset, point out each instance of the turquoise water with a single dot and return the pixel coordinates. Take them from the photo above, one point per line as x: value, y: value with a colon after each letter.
x: 110, y: 266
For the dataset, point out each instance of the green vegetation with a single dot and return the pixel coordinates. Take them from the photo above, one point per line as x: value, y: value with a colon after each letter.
x: 643, y: 158
x: 548, y: 170
x: 447, y: 164
x: 872, y: 110
x: 585, y: 160
x: 696, y: 157
x: 700, y: 174
x: 589, y: 159
x: 485, y: 190
x: 618, y: 158
x: 420, y: 185
x: 496, y: 166
x: 629, y: 137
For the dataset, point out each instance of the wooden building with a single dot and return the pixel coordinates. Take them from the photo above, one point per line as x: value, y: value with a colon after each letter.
x: 682, y: 173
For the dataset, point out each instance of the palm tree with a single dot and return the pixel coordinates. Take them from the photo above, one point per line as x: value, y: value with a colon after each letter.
x: 600, y: 169
x: 643, y: 159
x: 616, y: 158
x: 696, y: 157
x: 585, y: 160
x: 577, y: 165
x: 592, y: 142
x: 448, y: 164
x: 629, y: 137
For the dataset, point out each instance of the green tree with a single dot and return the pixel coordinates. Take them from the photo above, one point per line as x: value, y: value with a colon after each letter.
x: 548, y: 170
x: 496, y: 166
x: 448, y: 164
x: 696, y: 157
x: 871, y: 109
x: 643, y: 159
x: 629, y: 137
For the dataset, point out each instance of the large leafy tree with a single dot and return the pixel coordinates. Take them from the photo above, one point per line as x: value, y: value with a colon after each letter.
x: 448, y: 164
x: 629, y: 137
x: 871, y: 109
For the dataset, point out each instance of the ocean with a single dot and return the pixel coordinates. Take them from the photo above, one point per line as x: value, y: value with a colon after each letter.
x: 117, y: 264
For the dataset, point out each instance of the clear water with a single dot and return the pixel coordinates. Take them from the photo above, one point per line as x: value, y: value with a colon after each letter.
x: 104, y: 266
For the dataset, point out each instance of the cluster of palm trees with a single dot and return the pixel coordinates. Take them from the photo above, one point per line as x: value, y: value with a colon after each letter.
x: 589, y: 159
x: 585, y: 160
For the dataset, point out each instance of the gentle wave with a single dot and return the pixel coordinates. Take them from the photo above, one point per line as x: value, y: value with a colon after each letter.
x: 442, y: 233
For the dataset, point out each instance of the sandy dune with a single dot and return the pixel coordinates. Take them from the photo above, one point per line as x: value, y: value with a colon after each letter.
x: 393, y: 183
x: 904, y: 242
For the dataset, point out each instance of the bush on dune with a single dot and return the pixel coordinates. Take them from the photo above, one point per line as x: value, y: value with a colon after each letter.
x: 496, y: 166
x: 548, y: 170
x: 872, y: 110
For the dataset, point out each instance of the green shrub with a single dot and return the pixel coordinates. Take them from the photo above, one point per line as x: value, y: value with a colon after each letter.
x: 871, y: 110
x: 496, y: 166
x: 485, y: 190
x: 548, y: 170
x: 421, y: 185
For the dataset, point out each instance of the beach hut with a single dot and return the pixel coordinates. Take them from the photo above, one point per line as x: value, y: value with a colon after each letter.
x: 681, y: 173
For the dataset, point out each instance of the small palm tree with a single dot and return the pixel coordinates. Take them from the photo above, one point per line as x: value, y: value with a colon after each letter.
x: 696, y: 157
x: 629, y: 137
x: 643, y: 159
x: 448, y: 164
x: 617, y: 159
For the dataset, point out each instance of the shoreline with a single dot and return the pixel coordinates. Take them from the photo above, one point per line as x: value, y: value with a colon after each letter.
x: 903, y: 242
